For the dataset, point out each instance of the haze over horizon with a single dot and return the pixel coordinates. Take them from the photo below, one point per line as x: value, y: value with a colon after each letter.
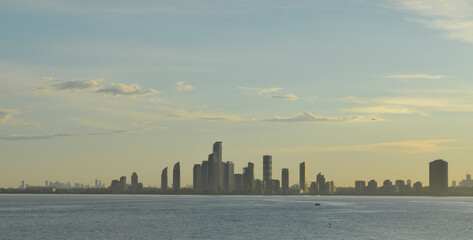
x: 358, y: 89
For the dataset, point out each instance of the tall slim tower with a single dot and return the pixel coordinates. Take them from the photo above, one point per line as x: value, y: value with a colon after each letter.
x: 134, y: 179
x: 213, y: 173
x: 438, y: 177
x: 285, y: 180
x: 123, y: 183
x: 176, y: 177
x: 197, y: 178
x: 229, y: 177
x: 217, y: 152
x: 303, y: 177
x: 164, y: 179
x: 267, y: 174
x: 205, y: 175
x: 249, y: 178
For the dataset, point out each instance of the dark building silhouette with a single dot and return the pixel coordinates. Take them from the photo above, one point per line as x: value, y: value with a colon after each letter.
x: 239, y: 183
x: 176, y: 177
x: 134, y: 179
x: 164, y: 179
x: 285, y: 180
x: 217, y: 151
x: 314, y: 188
x: 249, y: 178
x: 258, y: 187
x: 213, y: 173
x: 417, y: 187
x: 372, y: 187
x: 400, y: 186
x: 387, y: 187
x: 323, y: 188
x: 123, y: 183
x: 229, y: 177
x: 205, y: 176
x: 275, y: 186
x: 267, y: 174
x: 197, y: 181
x: 438, y: 177
x: 303, y: 175
x: 360, y: 187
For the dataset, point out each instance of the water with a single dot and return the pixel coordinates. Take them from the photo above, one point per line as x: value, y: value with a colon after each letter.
x: 233, y: 217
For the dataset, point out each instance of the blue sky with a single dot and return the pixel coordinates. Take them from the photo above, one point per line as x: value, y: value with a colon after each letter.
x: 99, y: 89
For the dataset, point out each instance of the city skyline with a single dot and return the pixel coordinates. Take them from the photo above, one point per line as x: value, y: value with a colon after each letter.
x: 356, y: 89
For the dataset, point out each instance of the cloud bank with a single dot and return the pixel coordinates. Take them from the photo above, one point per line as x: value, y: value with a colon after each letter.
x: 309, y: 117
x: 416, y: 76
x: 181, y: 86
x: 7, y: 114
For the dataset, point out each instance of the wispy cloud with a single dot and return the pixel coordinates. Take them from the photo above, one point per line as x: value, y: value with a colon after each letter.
x: 410, y: 105
x: 410, y: 146
x: 200, y: 115
x: 110, y: 89
x: 181, y: 86
x: 7, y: 114
x: 416, y: 76
x: 64, y: 135
x: 262, y: 90
x: 309, y: 117
x: 454, y: 18
x: 289, y: 96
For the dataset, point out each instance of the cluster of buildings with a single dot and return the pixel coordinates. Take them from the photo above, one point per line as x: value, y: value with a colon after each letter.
x: 63, y: 185
x: 120, y: 186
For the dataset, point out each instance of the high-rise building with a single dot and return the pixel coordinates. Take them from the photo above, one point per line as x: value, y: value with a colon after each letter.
x: 417, y: 187
x: 164, y: 179
x: 303, y: 175
x: 438, y: 177
x: 229, y: 177
x: 285, y: 180
x: 238, y: 183
x: 213, y: 173
x: 197, y: 181
x: 217, y: 151
x: 372, y: 187
x: 258, y: 187
x: 360, y: 187
x: 205, y: 176
x: 123, y: 183
x: 400, y: 186
x: 276, y: 186
x: 134, y: 179
x: 388, y: 187
x: 267, y: 174
x: 322, y: 185
x: 176, y: 177
x: 249, y: 178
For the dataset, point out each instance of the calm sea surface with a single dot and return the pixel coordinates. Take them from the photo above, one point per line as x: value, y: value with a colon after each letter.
x: 233, y: 217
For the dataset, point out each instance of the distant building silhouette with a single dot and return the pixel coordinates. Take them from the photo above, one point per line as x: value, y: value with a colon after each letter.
x: 314, y: 188
x: 213, y: 173
x: 400, y: 186
x: 197, y: 181
x: 217, y: 152
x: 438, y: 177
x: 388, y: 187
x: 467, y: 182
x: 164, y: 179
x: 176, y: 177
x: 135, y: 185
x: 275, y: 186
x: 229, y: 177
x: 205, y: 176
x: 303, y: 175
x: 372, y: 187
x: 267, y: 174
x: 134, y: 179
x: 285, y: 180
x: 123, y: 183
x: 321, y: 183
x: 239, y: 183
x: 249, y: 178
x: 360, y: 187
x: 417, y: 187
x: 258, y: 187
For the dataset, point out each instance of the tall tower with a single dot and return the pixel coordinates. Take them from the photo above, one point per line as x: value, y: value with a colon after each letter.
x: 217, y: 152
x: 285, y: 180
x: 134, y: 179
x: 204, y: 169
x: 267, y: 174
x: 123, y: 183
x: 303, y: 175
x: 249, y: 178
x: 438, y: 177
x: 197, y: 178
x: 229, y: 177
x: 176, y: 177
x: 213, y: 173
x: 164, y: 179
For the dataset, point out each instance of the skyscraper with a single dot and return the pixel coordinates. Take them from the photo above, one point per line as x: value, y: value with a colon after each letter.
x: 267, y: 174
x: 205, y: 176
x: 360, y: 187
x: 134, y: 179
x: 249, y: 178
x: 238, y: 183
x: 303, y: 177
x: 123, y: 183
x: 285, y: 180
x: 213, y: 173
x: 229, y: 177
x: 176, y: 177
x: 438, y: 177
x: 323, y: 188
x: 164, y: 179
x: 197, y: 178
x: 217, y: 151
x: 372, y: 187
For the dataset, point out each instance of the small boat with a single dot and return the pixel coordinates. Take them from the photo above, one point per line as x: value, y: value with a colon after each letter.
x: 317, y: 204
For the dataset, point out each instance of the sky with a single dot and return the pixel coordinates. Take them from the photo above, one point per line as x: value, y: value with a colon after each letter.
x: 358, y: 89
